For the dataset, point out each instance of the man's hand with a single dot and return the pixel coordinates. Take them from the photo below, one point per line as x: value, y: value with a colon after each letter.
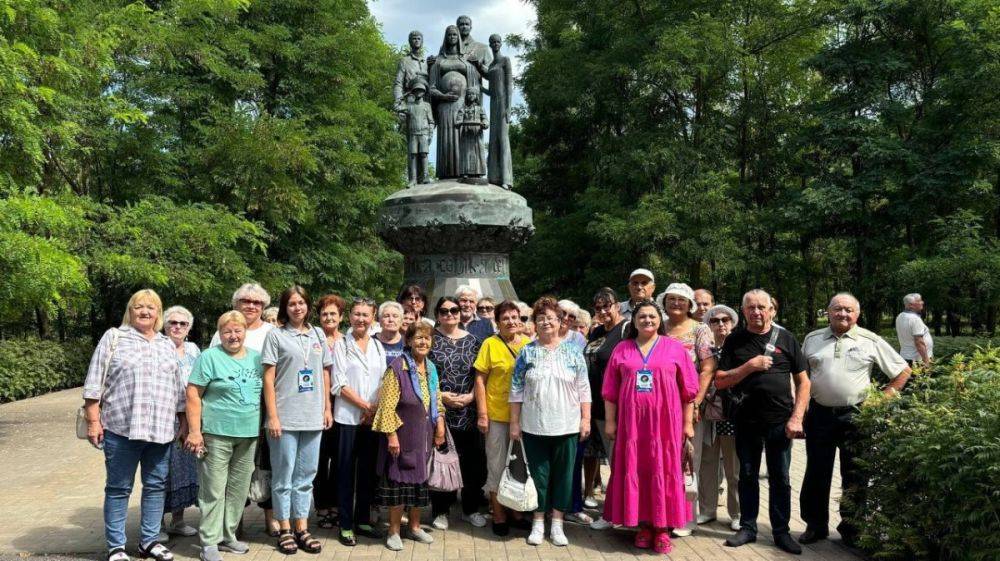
x: 793, y: 428
x: 759, y: 363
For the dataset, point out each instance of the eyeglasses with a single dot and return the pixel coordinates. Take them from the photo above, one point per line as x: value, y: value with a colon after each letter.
x: 249, y: 302
x: 715, y: 321
x: 414, y: 298
x: 484, y: 308
x: 602, y: 308
x: 453, y: 311
x: 546, y: 320
x: 525, y: 318
x: 175, y: 323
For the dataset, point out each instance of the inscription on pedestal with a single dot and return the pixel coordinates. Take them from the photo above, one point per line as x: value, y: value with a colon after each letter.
x: 490, y: 265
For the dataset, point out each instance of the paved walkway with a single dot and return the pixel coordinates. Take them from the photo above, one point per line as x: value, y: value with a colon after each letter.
x: 52, y: 487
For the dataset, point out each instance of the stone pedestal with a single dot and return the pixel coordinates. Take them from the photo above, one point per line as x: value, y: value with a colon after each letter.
x: 453, y: 233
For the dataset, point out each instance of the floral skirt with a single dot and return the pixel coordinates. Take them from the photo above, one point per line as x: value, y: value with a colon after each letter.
x: 182, y: 481
x: 409, y: 495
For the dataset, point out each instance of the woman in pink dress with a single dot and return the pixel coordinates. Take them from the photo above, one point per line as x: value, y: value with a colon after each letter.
x: 649, y: 387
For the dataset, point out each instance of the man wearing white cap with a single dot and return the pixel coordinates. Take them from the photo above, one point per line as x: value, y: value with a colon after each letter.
x: 641, y: 286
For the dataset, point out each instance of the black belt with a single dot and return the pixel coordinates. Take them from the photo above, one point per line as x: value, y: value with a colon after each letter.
x: 835, y: 410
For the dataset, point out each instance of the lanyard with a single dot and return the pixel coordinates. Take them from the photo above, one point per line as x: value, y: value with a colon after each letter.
x: 645, y: 357
x: 307, y: 336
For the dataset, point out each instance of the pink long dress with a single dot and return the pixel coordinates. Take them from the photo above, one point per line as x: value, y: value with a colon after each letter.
x: 647, y: 483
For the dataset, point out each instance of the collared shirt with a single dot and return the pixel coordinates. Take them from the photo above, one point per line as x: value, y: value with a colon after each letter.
x: 292, y: 352
x: 359, y: 370
x: 550, y: 385
x: 840, y: 367
x: 142, y: 391
x: 908, y: 327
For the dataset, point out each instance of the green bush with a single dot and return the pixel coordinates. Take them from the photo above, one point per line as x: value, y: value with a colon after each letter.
x: 933, y: 456
x: 30, y: 366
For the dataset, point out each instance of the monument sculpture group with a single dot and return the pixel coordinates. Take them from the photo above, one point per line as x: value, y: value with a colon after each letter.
x: 460, y: 228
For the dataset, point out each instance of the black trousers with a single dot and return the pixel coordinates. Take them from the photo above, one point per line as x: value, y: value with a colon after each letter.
x: 472, y: 461
x: 751, y: 440
x: 829, y: 429
x: 325, y: 484
x: 357, y: 453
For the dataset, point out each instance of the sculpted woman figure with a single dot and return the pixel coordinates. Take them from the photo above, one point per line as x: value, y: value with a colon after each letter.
x: 450, y: 77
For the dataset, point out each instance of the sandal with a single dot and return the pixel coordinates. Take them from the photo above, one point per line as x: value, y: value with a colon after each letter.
x: 327, y: 520
x: 286, y: 543
x: 661, y: 543
x: 307, y: 542
x: 118, y: 554
x: 644, y: 539
x: 156, y: 550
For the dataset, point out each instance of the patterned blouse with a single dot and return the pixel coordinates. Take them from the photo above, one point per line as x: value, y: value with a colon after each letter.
x: 454, y: 359
x: 386, y: 419
x: 698, y: 342
x: 186, y: 362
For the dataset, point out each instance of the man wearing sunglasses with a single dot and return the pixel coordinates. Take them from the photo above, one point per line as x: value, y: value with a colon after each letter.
x: 467, y: 298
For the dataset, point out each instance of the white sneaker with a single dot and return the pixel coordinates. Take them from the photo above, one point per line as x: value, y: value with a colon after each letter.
x: 557, y: 535
x: 590, y: 502
x: 704, y: 519
x: 476, y: 519
x: 681, y: 532
x: 537, y: 535
x: 440, y: 522
x: 735, y: 524
x: 600, y: 524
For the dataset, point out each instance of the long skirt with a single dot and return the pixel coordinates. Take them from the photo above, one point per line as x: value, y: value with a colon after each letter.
x: 182, y: 481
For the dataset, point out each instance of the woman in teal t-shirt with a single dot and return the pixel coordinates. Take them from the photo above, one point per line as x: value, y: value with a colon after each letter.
x: 223, y: 412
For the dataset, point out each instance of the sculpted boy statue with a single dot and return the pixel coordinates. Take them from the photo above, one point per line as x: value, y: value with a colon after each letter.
x: 419, y: 118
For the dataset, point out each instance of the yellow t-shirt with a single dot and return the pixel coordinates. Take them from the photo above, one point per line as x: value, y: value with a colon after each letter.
x: 497, y: 363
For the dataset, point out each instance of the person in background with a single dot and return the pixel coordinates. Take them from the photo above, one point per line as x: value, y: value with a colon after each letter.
x: 409, y: 316
x: 770, y: 414
x: 135, y: 423
x: 550, y: 402
x: 250, y: 300
x: 390, y: 320
x: 182, y: 480
x: 568, y: 332
x: 649, y: 389
x: 601, y: 344
x: 415, y: 297
x: 567, y: 328
x: 527, y: 325
x: 358, y: 365
x: 641, y: 286
x: 703, y: 300
x: 223, y: 413
x: 331, y: 308
x: 454, y: 353
x: 470, y: 321
x: 719, y: 434
x: 411, y: 415
x: 485, y: 307
x: 297, y: 398
x: 270, y: 315
x: 583, y: 322
x: 840, y: 358
x: 494, y: 366
x: 678, y: 303
x: 915, y: 342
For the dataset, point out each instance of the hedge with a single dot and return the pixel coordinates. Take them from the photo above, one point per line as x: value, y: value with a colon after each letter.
x: 30, y: 366
x: 933, y: 458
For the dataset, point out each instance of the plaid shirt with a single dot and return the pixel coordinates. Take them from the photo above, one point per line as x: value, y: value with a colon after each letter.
x: 143, y: 390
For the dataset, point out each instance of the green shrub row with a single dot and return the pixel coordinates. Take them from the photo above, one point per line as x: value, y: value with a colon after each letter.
x: 933, y: 457
x: 30, y: 366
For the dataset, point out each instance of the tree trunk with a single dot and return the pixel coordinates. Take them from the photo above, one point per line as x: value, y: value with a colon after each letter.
x: 42, y: 322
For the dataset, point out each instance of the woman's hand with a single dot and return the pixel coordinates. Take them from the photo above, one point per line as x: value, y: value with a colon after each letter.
x: 697, y: 413
x: 687, y: 463
x: 515, y: 430
x: 584, y: 429
x: 274, y: 427
x: 194, y: 442
x: 610, y: 428
x: 95, y: 433
x: 689, y: 430
x: 327, y: 419
x: 483, y: 423
x: 394, y: 445
x: 438, y: 436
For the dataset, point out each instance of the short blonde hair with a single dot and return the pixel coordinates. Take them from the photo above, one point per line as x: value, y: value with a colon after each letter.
x: 231, y: 316
x: 144, y: 295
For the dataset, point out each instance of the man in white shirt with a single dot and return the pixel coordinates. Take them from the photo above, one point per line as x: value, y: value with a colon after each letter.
x: 915, y: 341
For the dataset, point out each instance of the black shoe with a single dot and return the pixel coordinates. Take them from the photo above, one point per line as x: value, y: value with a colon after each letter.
x: 786, y: 542
x: 742, y: 537
x: 523, y: 523
x: 368, y: 531
x: 347, y: 539
x: 501, y: 529
x: 813, y: 536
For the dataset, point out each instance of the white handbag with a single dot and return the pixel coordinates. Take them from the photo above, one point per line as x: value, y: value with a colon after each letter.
x: 514, y: 494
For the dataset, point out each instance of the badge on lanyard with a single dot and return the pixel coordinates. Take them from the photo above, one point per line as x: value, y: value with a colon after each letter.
x: 307, y: 381
x: 644, y: 380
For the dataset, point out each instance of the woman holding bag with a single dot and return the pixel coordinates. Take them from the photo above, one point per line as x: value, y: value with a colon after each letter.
x: 409, y: 412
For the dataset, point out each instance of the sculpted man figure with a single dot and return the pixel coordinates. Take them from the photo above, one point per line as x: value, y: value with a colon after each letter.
x: 476, y: 53
x: 410, y: 67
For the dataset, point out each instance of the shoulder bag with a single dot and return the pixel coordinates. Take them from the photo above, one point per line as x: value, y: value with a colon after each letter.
x: 444, y: 473
x: 513, y: 493
x: 260, y: 480
x: 81, y: 414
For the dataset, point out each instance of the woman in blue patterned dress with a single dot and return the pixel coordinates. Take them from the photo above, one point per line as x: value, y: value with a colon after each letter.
x: 182, y: 481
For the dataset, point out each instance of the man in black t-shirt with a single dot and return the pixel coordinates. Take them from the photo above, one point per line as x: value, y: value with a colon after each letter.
x: 759, y: 364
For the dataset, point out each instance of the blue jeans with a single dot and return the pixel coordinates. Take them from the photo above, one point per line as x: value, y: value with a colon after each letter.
x: 294, y: 461
x: 121, y: 457
x: 751, y: 439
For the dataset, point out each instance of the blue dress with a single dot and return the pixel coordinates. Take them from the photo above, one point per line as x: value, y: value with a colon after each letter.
x: 182, y: 481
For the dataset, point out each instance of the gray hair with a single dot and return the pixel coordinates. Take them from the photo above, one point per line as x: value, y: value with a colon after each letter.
x: 911, y: 298
x: 569, y: 306
x: 714, y: 311
x: 844, y: 295
x: 756, y: 292
x: 251, y: 289
x: 466, y: 289
x: 178, y: 310
x: 584, y: 317
x: 390, y: 304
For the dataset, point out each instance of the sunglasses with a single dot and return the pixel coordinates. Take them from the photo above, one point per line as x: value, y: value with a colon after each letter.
x: 525, y: 318
x: 175, y: 323
x: 715, y: 321
x: 484, y: 308
x: 454, y: 311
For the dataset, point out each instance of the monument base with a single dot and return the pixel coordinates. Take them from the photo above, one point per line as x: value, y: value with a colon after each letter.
x: 452, y: 233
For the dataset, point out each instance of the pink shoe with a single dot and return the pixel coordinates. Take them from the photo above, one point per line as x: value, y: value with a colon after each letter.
x: 644, y: 538
x: 661, y: 544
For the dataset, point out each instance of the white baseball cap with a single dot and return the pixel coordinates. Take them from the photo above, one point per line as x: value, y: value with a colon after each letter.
x: 643, y: 273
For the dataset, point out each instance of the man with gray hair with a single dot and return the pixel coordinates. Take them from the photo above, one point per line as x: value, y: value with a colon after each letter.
x: 841, y: 358
x: 467, y: 298
x: 758, y: 364
x: 915, y: 341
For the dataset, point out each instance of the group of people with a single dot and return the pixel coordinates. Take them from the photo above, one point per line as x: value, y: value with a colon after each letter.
x: 666, y: 389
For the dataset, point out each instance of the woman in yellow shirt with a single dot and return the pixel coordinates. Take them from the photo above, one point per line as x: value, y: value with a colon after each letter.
x: 494, y: 366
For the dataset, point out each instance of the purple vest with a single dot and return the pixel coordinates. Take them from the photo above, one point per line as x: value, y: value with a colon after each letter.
x: 415, y: 436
